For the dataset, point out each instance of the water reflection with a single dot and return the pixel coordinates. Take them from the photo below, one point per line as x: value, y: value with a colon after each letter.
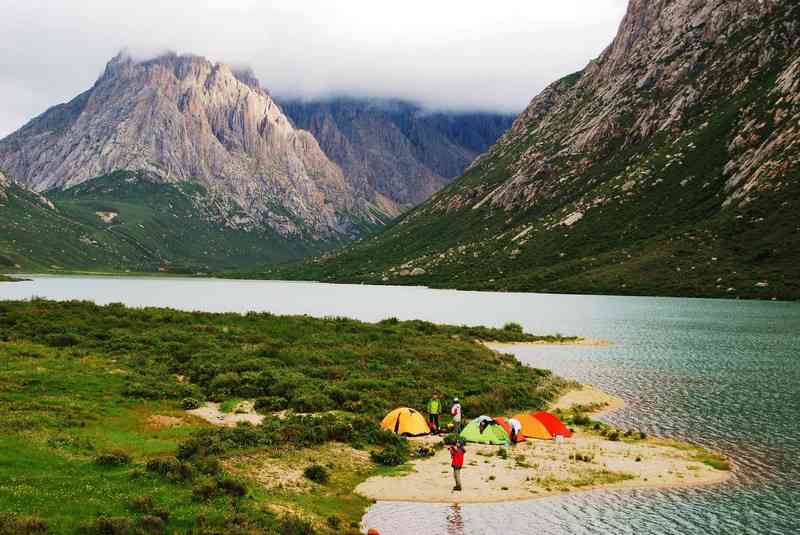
x: 455, y: 522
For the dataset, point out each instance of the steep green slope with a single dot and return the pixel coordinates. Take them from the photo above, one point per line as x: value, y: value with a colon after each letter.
x: 125, y: 221
x: 669, y: 166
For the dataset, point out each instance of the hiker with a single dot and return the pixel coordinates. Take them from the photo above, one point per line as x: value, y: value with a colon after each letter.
x: 434, y: 409
x: 516, y: 427
x: 455, y: 412
x: 457, y: 461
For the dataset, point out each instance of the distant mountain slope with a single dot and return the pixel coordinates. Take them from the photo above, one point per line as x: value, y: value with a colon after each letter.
x: 669, y: 166
x: 129, y: 221
x: 395, y: 147
x: 183, y: 118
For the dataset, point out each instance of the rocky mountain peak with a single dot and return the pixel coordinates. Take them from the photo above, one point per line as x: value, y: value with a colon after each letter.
x: 182, y: 117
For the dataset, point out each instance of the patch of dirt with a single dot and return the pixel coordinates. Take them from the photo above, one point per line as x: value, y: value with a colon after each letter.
x: 244, y: 412
x: 159, y: 421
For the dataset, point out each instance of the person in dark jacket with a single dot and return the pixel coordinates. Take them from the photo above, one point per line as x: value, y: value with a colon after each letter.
x: 457, y: 462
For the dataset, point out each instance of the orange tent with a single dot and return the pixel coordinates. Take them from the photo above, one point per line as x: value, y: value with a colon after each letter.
x: 505, y: 425
x: 542, y: 425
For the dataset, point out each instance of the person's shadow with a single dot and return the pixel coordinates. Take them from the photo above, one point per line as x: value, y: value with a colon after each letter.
x: 455, y: 524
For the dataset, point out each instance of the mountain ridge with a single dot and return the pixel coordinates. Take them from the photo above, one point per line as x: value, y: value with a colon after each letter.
x: 668, y: 166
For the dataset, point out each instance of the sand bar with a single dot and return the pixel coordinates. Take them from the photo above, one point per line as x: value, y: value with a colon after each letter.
x: 536, y: 468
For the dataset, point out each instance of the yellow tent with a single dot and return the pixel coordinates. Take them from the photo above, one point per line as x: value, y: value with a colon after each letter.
x: 405, y: 421
x: 532, y: 427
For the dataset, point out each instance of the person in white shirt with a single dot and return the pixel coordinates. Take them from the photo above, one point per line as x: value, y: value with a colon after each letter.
x: 455, y: 412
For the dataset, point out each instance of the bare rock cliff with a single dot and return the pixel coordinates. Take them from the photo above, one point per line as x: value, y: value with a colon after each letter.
x: 185, y: 118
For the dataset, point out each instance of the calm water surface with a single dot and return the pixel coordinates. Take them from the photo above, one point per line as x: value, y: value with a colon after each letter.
x: 725, y: 374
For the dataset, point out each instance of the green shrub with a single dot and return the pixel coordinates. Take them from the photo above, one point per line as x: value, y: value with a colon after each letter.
x: 109, y: 525
x: 312, y: 402
x: 581, y: 419
x: 271, y: 404
x: 390, y: 456
x: 513, y: 327
x: 232, y: 487
x: 334, y: 522
x: 113, y: 458
x: 151, y: 524
x: 316, y: 473
x: 15, y: 524
x: 189, y: 404
x: 502, y: 453
x: 171, y: 468
x: 291, y: 525
x: 614, y: 436
x: 205, y: 489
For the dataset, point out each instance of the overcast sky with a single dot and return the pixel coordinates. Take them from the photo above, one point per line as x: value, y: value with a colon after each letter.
x: 454, y: 54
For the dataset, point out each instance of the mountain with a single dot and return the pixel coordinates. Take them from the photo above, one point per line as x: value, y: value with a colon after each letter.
x: 183, y: 118
x: 396, y: 147
x: 129, y: 221
x: 670, y: 165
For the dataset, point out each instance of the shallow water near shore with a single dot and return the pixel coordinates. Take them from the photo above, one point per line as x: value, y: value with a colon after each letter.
x: 724, y: 374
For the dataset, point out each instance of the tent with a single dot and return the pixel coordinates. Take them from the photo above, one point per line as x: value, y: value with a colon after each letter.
x: 507, y: 427
x: 405, y: 421
x: 493, y: 434
x: 553, y: 424
x: 542, y: 425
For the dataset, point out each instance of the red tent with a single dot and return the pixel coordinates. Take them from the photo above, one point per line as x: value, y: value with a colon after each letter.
x: 553, y: 425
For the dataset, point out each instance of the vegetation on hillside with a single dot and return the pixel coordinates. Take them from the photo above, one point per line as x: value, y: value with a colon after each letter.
x: 86, y: 390
x: 126, y: 221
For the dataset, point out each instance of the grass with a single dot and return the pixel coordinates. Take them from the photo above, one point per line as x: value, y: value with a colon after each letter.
x: 80, y: 382
x: 171, y: 227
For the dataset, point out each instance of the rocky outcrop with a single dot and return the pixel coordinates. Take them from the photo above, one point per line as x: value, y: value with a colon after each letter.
x: 395, y: 147
x: 185, y: 118
x: 671, y: 61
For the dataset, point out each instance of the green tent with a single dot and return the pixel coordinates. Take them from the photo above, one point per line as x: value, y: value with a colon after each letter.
x: 493, y: 434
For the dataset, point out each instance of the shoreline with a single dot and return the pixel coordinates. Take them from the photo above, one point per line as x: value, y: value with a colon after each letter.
x: 580, y: 341
x: 539, y: 469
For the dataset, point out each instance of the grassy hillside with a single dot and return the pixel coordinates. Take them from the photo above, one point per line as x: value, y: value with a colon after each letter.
x: 95, y: 436
x: 125, y: 221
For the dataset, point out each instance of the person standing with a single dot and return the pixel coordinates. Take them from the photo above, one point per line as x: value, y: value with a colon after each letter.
x: 455, y: 412
x: 434, y: 410
x: 516, y: 427
x: 457, y: 462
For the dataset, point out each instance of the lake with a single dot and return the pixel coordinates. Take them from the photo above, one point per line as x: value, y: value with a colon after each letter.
x: 724, y: 374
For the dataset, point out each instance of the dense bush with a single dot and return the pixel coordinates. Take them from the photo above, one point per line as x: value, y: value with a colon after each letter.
x: 113, y: 458
x: 316, y: 473
x: 271, y: 404
x: 390, y: 456
x: 190, y: 403
x: 14, y: 524
x: 171, y: 468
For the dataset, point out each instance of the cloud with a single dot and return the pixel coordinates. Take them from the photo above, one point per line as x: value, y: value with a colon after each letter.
x: 465, y: 54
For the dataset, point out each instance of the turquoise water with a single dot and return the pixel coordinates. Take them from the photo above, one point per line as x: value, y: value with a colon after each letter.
x: 725, y: 374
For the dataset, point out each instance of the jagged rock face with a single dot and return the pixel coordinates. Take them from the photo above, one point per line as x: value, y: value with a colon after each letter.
x: 669, y: 59
x: 395, y: 147
x: 184, y: 118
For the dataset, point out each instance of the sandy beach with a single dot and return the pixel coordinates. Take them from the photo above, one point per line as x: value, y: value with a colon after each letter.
x: 537, y: 468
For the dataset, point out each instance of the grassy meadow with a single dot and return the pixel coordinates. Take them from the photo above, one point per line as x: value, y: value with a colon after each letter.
x: 97, y: 440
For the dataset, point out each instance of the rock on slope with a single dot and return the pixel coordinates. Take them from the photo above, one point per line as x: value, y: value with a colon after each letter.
x: 669, y: 165
x: 395, y: 147
x: 185, y: 118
